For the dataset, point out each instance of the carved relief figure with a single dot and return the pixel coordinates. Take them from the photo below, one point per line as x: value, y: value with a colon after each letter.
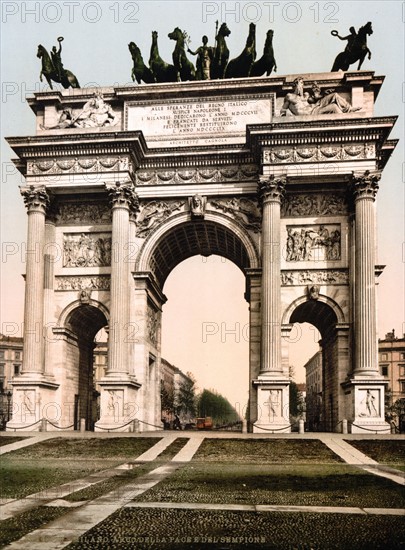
x: 368, y: 403
x: 315, y: 103
x: 273, y: 404
x: 301, y: 243
x: 325, y: 276
x: 72, y: 213
x: 152, y: 325
x: 86, y: 250
x: 197, y: 206
x: 153, y: 213
x: 243, y: 210
x: 98, y: 282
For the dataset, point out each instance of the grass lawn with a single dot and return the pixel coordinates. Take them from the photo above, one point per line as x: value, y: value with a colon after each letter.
x: 306, y: 485
x: 139, y: 529
x: 8, y: 439
x: 266, y: 451
x: 56, y: 461
x: 389, y: 452
x: 14, y: 528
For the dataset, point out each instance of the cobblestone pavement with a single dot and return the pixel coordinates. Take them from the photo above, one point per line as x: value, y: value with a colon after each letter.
x: 87, y: 522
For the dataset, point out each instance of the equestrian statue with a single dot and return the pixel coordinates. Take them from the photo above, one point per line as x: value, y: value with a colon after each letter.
x: 53, y: 68
x: 140, y: 71
x: 356, y: 48
x: 266, y: 63
x: 221, y: 53
x: 184, y: 68
x: 162, y: 71
x: 241, y: 65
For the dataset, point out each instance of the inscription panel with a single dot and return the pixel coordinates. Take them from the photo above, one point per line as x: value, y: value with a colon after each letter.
x: 190, y: 122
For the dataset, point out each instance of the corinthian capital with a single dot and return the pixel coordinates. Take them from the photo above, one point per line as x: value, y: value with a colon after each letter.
x: 35, y: 198
x: 272, y: 188
x: 365, y: 185
x: 123, y: 195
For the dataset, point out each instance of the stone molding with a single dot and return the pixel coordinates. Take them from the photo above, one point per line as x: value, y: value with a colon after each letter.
x: 75, y: 213
x: 320, y: 276
x: 78, y: 165
x: 209, y: 174
x: 96, y: 282
x: 319, y: 153
x: 313, y: 204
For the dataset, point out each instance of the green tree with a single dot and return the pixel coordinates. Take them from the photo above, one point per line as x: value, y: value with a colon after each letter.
x: 297, y: 402
x: 167, y: 399
x: 215, y: 405
x: 186, y: 398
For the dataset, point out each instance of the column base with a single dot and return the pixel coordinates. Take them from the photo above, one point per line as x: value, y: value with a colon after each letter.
x: 33, y: 400
x: 273, y: 405
x: 367, y: 405
x: 119, y: 409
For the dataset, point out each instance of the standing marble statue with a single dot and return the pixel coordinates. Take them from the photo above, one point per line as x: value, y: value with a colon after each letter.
x: 205, y: 56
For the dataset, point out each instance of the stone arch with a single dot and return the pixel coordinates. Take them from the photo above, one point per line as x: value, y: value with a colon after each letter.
x: 215, y: 234
x: 328, y: 317
x: 78, y: 325
x: 68, y: 311
x: 303, y: 309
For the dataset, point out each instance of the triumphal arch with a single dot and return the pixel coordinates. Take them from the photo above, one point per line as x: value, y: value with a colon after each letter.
x: 279, y: 175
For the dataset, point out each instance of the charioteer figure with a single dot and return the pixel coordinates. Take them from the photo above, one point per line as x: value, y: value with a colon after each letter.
x: 205, y: 56
x: 57, y: 59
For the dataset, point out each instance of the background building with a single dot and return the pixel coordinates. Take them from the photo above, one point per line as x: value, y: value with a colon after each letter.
x: 313, y: 369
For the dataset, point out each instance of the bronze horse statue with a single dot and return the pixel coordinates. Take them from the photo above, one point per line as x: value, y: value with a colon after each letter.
x: 66, y: 78
x: 140, y: 71
x: 241, y: 65
x: 221, y: 54
x: 184, y: 68
x: 267, y: 62
x: 356, y: 49
x: 162, y: 71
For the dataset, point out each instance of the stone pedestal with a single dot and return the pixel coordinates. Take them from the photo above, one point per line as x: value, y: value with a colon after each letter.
x: 273, y: 405
x: 368, y: 406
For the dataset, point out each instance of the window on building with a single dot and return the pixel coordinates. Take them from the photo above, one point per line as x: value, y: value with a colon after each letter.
x: 402, y: 386
x: 384, y: 357
x: 1, y: 354
x: 2, y: 369
x: 16, y: 370
x: 384, y: 371
x: 17, y: 355
x: 401, y: 370
x: 402, y: 355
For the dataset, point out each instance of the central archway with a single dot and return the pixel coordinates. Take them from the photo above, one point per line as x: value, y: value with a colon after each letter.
x: 176, y: 240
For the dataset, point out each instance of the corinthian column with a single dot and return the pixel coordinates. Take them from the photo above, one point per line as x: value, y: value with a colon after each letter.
x: 37, y: 201
x: 271, y: 190
x: 365, y: 188
x: 124, y: 200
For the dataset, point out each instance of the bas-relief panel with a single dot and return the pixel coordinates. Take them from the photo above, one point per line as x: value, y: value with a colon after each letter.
x: 86, y: 249
x: 313, y: 243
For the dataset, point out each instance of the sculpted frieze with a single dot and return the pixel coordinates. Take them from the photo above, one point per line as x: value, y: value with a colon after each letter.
x: 95, y: 113
x: 82, y: 213
x: 78, y: 165
x: 153, y: 213
x: 199, y: 175
x: 96, y: 282
x: 319, y: 153
x: 86, y: 250
x: 152, y: 325
x: 313, y: 205
x: 245, y: 211
x: 313, y: 243
x: 320, y: 276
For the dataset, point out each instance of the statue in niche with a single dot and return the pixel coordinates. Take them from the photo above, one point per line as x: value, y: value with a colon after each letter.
x: 315, y: 102
x: 356, y: 48
x: 197, y: 206
x: 205, y: 56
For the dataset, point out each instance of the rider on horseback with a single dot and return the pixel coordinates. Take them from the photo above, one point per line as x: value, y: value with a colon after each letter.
x: 57, y: 60
x: 351, y: 39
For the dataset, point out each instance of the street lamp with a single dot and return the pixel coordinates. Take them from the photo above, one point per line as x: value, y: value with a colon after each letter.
x: 9, y: 396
